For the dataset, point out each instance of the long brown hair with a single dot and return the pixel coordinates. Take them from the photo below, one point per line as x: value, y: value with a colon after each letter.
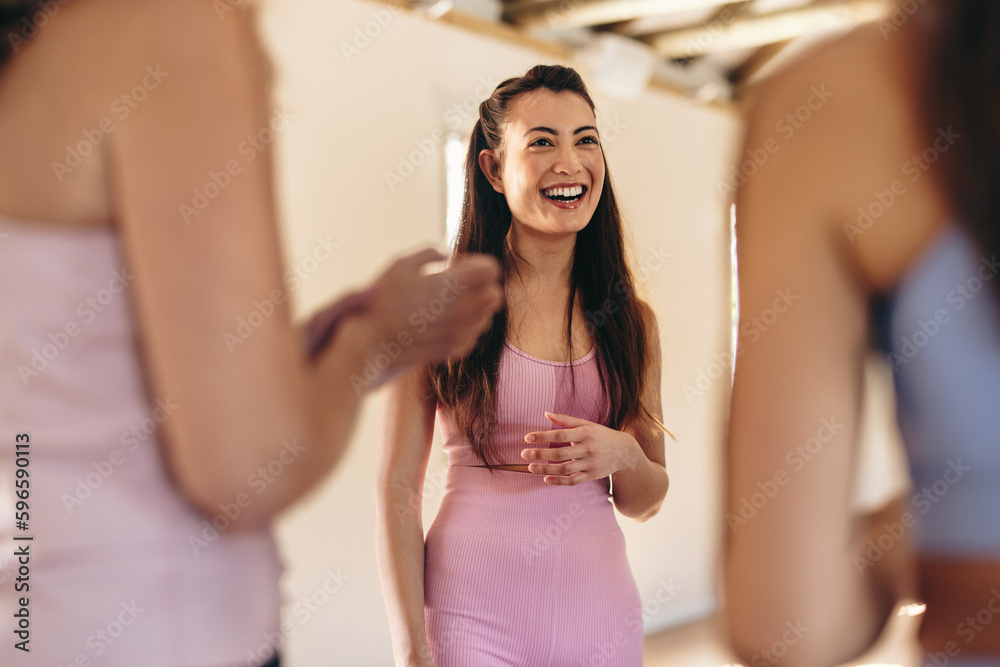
x: 600, y: 273
x: 962, y: 90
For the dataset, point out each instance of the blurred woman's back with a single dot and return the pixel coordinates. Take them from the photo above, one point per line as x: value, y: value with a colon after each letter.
x: 859, y: 217
x: 122, y: 569
x: 168, y: 405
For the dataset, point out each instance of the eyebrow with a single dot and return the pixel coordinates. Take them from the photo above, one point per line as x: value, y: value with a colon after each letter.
x: 549, y: 130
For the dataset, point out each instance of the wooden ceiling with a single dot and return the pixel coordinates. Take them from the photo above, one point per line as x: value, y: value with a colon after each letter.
x: 705, y: 48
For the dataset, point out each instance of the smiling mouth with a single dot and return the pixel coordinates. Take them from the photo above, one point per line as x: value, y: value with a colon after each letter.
x: 565, y: 195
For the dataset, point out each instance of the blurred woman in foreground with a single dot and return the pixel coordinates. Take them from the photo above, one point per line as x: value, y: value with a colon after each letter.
x: 157, y: 405
x: 879, y: 213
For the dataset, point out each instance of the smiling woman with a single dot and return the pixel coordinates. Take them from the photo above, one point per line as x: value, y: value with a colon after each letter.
x: 547, y: 167
x: 876, y: 245
x: 525, y: 563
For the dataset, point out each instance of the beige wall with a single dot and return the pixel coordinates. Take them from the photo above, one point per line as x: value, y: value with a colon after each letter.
x: 352, y: 121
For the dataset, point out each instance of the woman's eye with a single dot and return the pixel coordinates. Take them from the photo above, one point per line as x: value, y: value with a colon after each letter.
x: 541, y: 142
x: 588, y: 140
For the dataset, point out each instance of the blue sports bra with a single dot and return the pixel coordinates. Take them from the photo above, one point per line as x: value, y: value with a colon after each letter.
x: 941, y: 331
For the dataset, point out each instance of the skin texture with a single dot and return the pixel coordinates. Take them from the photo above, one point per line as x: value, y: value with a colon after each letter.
x: 194, y: 278
x: 791, y: 563
x: 544, y: 236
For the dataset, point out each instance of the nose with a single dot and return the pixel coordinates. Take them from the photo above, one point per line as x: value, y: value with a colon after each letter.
x: 567, y: 161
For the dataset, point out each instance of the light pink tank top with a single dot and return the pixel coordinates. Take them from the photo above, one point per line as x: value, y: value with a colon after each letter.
x: 122, y: 571
x: 526, y: 387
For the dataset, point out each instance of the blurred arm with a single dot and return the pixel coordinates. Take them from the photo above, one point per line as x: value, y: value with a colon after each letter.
x: 790, y: 576
x: 192, y: 193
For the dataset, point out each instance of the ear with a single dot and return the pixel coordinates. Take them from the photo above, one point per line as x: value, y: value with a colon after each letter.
x: 490, y: 165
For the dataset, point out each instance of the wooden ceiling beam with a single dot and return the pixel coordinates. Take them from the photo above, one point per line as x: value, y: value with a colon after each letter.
x: 745, y: 31
x: 579, y: 13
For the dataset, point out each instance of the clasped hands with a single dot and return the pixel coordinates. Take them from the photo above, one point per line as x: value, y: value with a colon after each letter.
x: 593, y: 452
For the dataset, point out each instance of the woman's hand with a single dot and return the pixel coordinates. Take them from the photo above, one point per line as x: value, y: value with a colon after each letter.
x: 410, y: 317
x: 594, y: 451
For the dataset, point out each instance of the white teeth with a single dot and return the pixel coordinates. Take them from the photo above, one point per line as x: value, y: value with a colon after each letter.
x: 573, y: 191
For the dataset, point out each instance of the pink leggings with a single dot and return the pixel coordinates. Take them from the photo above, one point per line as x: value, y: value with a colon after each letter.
x: 521, y: 573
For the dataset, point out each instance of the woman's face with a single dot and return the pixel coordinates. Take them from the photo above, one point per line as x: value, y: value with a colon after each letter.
x: 551, y: 167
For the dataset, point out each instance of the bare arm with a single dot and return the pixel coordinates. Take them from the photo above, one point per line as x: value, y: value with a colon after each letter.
x: 639, y: 488
x: 192, y: 194
x: 200, y: 267
x: 408, y: 422
x: 790, y: 576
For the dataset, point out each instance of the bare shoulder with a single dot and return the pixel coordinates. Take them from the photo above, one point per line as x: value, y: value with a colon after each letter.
x: 101, y: 44
x: 845, y: 117
x: 188, y: 32
x: 647, y: 312
x: 834, y: 60
x: 198, y: 16
x: 652, y: 325
x: 80, y: 69
x: 648, y: 318
x: 852, y: 74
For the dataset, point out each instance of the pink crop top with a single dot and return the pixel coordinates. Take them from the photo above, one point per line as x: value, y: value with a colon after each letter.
x: 526, y: 387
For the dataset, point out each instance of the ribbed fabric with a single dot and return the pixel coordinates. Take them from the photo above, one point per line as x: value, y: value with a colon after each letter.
x: 114, y: 575
x: 519, y: 572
